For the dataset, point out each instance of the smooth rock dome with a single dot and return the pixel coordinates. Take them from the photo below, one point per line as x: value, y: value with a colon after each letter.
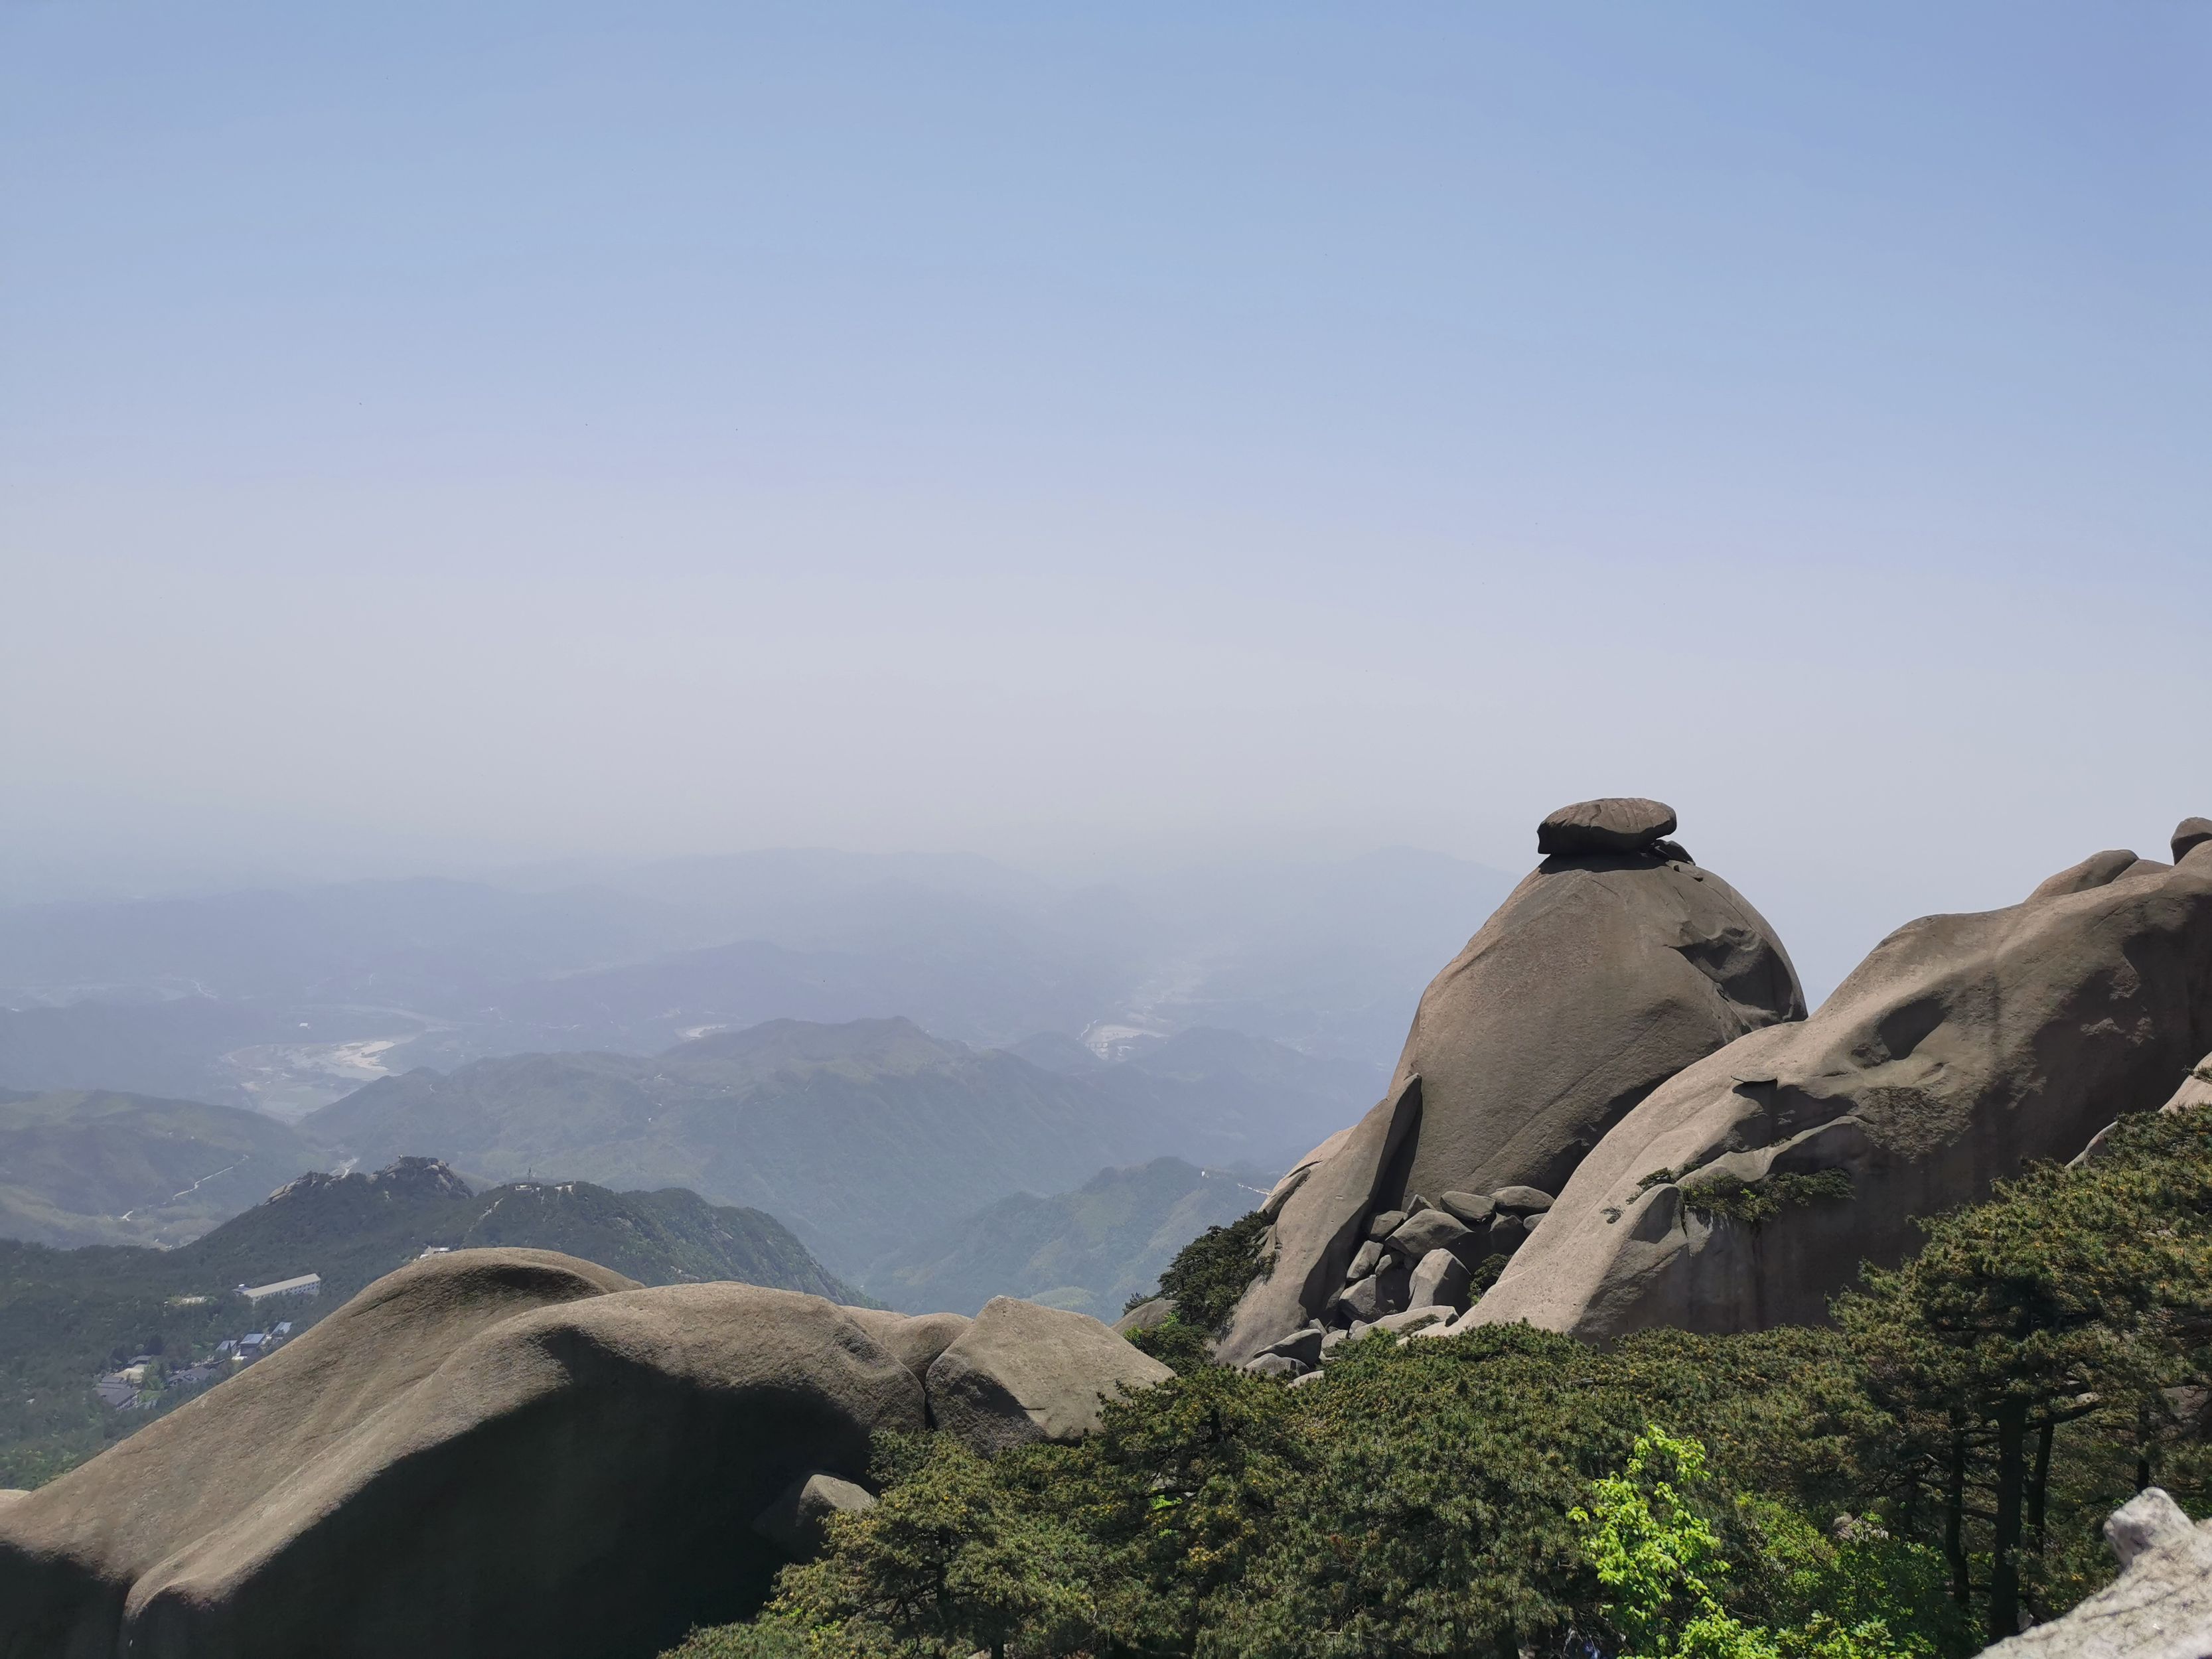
x: 1604, y: 973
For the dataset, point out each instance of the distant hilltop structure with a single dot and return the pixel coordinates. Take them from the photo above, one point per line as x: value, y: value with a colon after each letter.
x: 305, y: 1285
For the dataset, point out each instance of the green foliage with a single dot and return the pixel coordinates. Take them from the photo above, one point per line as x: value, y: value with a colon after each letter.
x: 1181, y: 1346
x: 2027, y: 1361
x: 954, y: 1560
x: 1416, y: 1500
x: 1751, y: 1202
x: 1211, y: 1272
x: 1663, y: 1565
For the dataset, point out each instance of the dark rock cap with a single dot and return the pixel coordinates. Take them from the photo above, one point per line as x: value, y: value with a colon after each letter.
x: 2190, y: 834
x: 1618, y: 824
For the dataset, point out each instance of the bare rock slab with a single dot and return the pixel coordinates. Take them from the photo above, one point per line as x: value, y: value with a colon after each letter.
x: 1023, y: 1373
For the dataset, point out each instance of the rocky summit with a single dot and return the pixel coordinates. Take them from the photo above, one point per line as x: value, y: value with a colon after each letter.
x: 1616, y: 962
x: 1964, y: 1046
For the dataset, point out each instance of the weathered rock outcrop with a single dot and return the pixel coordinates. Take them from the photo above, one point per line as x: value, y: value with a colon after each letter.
x: 1614, y: 964
x: 2161, y: 1608
x: 1022, y: 1373
x: 1962, y: 1045
x: 493, y: 1452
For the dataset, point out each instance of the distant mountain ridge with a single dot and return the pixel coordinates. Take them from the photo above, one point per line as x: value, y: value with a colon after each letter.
x: 1089, y: 1249
x: 98, y: 1167
x: 285, y: 1000
x: 861, y: 1135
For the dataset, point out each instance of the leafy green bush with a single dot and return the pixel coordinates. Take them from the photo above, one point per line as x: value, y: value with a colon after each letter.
x: 1753, y: 1201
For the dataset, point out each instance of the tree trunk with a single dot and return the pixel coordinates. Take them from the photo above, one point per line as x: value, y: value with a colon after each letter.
x: 1954, y: 1515
x: 2038, y: 1488
x: 2004, y: 1556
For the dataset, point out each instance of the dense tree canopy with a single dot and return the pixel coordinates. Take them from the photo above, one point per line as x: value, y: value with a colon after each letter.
x: 1901, y: 1485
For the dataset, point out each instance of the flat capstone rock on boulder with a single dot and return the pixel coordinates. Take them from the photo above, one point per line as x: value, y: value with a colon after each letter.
x: 1474, y: 1209
x: 1023, y: 1373
x: 2190, y: 834
x: 1962, y: 1045
x: 487, y: 1455
x: 1604, y: 973
x: 1619, y: 823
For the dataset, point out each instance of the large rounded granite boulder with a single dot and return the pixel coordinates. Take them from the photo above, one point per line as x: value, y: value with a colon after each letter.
x: 489, y: 1453
x: 1962, y: 1046
x: 1616, y: 963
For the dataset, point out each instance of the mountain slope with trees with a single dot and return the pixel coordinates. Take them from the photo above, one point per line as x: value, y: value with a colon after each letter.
x: 65, y: 1315
x: 1089, y: 1249
x: 97, y: 1167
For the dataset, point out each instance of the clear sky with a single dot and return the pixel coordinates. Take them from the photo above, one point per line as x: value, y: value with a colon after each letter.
x: 438, y: 433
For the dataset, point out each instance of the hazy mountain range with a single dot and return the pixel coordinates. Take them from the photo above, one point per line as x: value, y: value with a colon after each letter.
x: 865, y: 1138
x: 286, y: 1000
x: 1091, y: 1249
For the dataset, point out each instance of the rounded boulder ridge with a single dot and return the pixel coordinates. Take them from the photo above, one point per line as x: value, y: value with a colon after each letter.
x: 1023, y: 1373
x: 1962, y: 1045
x: 487, y: 1454
x: 1617, y: 824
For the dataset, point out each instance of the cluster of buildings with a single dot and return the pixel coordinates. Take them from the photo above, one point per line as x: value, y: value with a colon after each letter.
x: 140, y: 1384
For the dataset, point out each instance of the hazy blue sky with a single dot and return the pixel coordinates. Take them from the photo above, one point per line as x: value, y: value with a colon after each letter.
x: 446, y: 433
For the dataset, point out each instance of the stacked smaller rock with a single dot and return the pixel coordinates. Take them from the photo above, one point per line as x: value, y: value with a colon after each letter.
x: 1415, y: 1269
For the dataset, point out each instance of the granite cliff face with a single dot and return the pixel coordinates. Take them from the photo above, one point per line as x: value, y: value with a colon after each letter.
x: 1962, y: 1046
x: 1616, y: 963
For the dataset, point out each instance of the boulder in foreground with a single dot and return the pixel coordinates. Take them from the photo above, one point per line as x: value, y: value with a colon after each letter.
x: 1023, y: 1373
x: 485, y: 1453
x: 2161, y: 1608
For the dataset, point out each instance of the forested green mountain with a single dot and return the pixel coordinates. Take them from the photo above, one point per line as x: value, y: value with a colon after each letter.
x: 65, y: 1315
x: 1089, y: 1249
x: 80, y: 1167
